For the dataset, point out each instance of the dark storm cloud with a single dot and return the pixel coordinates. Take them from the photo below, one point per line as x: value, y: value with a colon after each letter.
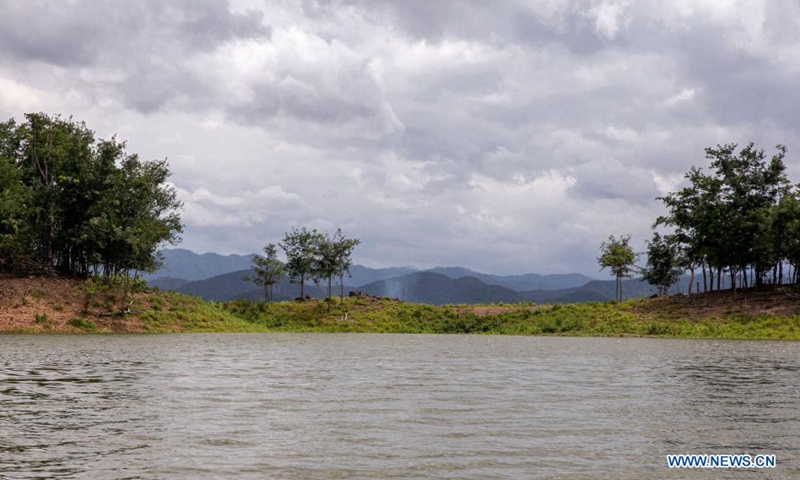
x: 143, y: 42
x: 66, y: 33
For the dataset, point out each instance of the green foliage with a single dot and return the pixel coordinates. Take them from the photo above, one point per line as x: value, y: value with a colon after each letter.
x: 43, y: 320
x: 83, y: 324
x: 71, y: 202
x: 663, y: 259
x: 114, y: 289
x: 740, y: 217
x: 301, y: 248
x: 619, y: 257
x: 268, y: 270
x: 312, y: 255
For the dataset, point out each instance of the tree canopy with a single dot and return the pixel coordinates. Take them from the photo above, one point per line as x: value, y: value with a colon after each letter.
x: 741, y: 216
x: 618, y: 256
x: 267, y: 270
x: 78, y: 205
x: 312, y: 255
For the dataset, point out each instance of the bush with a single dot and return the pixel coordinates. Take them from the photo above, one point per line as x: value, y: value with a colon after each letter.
x: 82, y: 324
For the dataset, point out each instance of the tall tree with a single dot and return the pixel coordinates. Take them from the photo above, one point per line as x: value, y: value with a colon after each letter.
x: 663, y: 263
x: 80, y: 205
x: 267, y: 270
x: 343, y: 248
x: 302, y: 249
x: 618, y: 256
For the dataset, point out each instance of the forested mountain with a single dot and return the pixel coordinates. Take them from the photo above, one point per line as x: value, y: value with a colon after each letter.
x: 217, y: 277
x: 184, y: 264
x: 423, y: 287
x: 438, y: 289
x: 231, y: 285
x: 519, y: 283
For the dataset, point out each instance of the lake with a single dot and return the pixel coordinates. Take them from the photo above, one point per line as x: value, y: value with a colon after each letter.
x: 298, y: 406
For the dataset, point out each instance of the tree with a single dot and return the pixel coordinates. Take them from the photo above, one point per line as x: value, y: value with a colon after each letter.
x: 737, y: 218
x: 302, y: 250
x: 327, y: 260
x: 267, y: 270
x: 619, y: 257
x: 343, y: 248
x: 663, y: 263
x: 80, y: 205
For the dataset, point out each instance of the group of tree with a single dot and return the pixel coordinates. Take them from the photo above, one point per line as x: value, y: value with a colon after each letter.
x: 740, y: 218
x: 78, y: 205
x: 310, y: 256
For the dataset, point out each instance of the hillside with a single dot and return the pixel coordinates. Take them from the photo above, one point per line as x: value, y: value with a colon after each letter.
x: 50, y: 304
x: 217, y: 277
x: 187, y: 265
x: 519, y: 283
x: 437, y: 289
x: 230, y: 286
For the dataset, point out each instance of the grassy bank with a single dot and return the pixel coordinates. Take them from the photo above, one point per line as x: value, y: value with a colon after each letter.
x: 31, y: 305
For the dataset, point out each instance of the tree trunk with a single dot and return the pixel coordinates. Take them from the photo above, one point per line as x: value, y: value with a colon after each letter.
x: 705, y: 284
x: 341, y: 285
x: 302, y: 286
x: 691, y: 279
x: 733, y: 282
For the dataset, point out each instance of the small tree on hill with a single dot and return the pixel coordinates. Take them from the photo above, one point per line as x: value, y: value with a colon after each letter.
x: 663, y: 263
x: 267, y: 271
x: 345, y: 247
x: 619, y: 257
x: 333, y: 259
x: 302, y: 248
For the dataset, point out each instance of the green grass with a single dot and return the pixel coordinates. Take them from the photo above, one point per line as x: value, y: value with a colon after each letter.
x: 587, y: 319
x: 172, y: 312
x: 83, y: 324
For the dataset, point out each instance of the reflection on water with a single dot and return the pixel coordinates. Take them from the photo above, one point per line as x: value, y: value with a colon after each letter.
x: 390, y: 406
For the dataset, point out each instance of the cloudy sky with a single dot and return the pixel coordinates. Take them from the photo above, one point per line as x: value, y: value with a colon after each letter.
x: 506, y: 136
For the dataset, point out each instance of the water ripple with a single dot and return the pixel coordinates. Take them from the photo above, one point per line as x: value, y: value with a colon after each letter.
x: 389, y: 406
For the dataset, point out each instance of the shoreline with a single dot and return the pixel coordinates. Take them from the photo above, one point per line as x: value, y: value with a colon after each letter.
x: 59, y: 305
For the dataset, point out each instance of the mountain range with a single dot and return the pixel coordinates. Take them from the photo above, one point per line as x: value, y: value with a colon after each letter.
x: 216, y: 277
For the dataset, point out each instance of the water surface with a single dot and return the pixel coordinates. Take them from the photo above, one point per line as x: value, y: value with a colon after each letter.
x: 297, y: 406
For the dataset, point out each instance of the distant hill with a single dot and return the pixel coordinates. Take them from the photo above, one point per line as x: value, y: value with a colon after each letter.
x: 184, y: 272
x: 230, y: 286
x: 519, y: 283
x: 594, y: 291
x: 437, y: 289
x: 190, y: 266
x: 361, y: 275
x: 167, y: 283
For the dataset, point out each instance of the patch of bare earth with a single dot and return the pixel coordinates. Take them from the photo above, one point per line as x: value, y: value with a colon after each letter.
x: 781, y: 301
x: 48, y: 303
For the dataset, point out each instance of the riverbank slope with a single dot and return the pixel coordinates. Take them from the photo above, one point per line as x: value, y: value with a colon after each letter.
x: 62, y: 305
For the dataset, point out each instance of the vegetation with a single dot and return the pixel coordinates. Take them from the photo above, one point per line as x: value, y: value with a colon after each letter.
x: 81, y: 206
x: 768, y: 314
x: 741, y: 218
x: 267, y: 270
x: 311, y: 255
x: 301, y: 247
x: 619, y: 257
x: 663, y: 263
